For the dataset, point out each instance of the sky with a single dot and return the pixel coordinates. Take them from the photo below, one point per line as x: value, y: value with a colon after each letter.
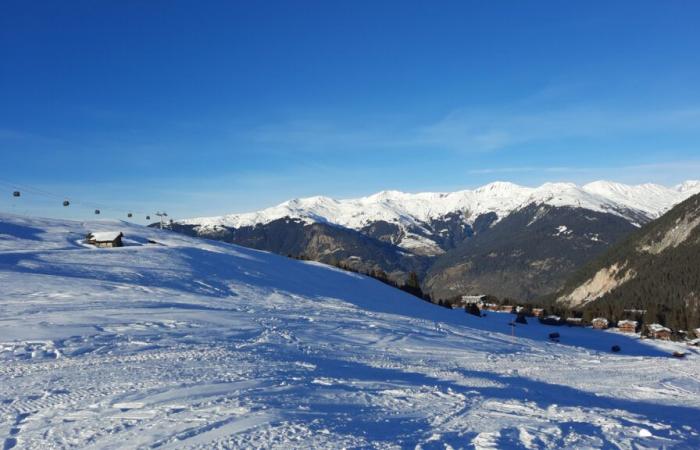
x: 206, y: 108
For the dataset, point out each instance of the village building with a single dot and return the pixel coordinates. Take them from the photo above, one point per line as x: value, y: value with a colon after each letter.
x: 551, y: 320
x: 600, y: 323
x: 627, y: 326
x: 574, y: 321
x: 537, y: 312
x: 466, y: 299
x: 105, y: 239
x: 489, y: 306
x: 658, y: 331
x: 506, y: 308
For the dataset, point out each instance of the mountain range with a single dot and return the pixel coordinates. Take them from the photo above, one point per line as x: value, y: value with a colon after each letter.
x: 501, y: 238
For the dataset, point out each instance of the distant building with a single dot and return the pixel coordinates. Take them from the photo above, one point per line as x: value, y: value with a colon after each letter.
x: 488, y: 306
x: 506, y: 308
x: 658, y: 331
x: 627, y: 326
x: 467, y: 299
x: 574, y: 321
x: 105, y: 239
x: 600, y: 323
x: 551, y: 320
x: 537, y: 312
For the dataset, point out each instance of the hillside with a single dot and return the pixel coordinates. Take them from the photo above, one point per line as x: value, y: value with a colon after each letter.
x: 180, y: 342
x: 656, y: 269
x: 528, y: 254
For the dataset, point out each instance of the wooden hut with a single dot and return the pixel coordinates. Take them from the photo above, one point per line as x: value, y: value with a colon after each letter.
x: 574, y: 321
x: 105, y: 239
x: 506, y: 308
x: 551, y: 320
x: 537, y: 312
x: 658, y: 331
x: 627, y: 326
x: 600, y: 323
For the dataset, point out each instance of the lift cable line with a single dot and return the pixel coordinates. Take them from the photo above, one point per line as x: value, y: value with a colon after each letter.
x: 67, y: 201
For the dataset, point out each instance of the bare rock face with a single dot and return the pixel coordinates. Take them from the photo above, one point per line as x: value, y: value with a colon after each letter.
x: 604, y: 281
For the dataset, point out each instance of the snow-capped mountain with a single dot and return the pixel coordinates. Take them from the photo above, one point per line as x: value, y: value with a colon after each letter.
x: 413, y: 213
x: 177, y: 342
x: 500, y: 239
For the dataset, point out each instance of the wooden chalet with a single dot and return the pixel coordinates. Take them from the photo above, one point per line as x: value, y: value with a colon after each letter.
x: 105, y: 239
x: 627, y: 326
x: 658, y: 331
x: 537, y: 312
x: 506, y: 308
x: 600, y: 323
x: 574, y: 321
x: 551, y: 320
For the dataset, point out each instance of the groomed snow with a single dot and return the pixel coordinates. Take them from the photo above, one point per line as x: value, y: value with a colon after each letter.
x: 198, y: 344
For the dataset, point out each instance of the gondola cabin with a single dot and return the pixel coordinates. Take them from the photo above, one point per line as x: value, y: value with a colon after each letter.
x: 105, y: 239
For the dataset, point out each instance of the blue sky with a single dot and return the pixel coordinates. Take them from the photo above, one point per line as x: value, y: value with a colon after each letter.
x: 203, y: 108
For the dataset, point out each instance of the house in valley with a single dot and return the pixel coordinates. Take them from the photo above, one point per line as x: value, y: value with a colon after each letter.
x: 658, y: 331
x: 627, y: 326
x: 600, y: 323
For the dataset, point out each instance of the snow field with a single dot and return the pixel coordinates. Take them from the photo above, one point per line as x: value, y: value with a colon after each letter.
x: 198, y: 344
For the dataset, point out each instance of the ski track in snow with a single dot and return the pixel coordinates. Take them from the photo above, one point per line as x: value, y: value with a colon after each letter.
x: 198, y: 344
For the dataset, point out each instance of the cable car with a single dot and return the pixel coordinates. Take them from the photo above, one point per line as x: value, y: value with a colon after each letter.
x: 97, y: 211
x: 15, y: 194
x: 66, y: 203
x: 129, y: 215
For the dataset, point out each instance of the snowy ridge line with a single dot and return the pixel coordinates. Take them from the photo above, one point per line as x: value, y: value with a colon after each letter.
x: 628, y: 201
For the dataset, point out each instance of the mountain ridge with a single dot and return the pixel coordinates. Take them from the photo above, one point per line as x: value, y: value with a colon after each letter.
x: 635, y: 203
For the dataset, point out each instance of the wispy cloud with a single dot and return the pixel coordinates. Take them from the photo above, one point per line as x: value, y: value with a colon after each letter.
x: 473, y: 129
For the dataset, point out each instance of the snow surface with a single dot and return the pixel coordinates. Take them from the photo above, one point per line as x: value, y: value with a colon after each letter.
x: 502, y: 198
x: 191, y: 343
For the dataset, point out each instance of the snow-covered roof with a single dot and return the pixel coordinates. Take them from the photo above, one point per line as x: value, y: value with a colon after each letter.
x: 105, y: 236
x: 656, y: 327
x: 600, y: 319
x: 623, y: 323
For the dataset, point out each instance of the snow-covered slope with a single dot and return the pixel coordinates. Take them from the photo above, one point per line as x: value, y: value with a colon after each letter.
x: 412, y: 210
x: 176, y: 342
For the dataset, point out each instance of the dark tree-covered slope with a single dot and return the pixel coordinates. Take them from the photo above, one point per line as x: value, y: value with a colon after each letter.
x: 656, y: 269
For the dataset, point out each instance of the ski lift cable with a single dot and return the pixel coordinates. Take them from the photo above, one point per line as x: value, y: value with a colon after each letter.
x: 17, y: 187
